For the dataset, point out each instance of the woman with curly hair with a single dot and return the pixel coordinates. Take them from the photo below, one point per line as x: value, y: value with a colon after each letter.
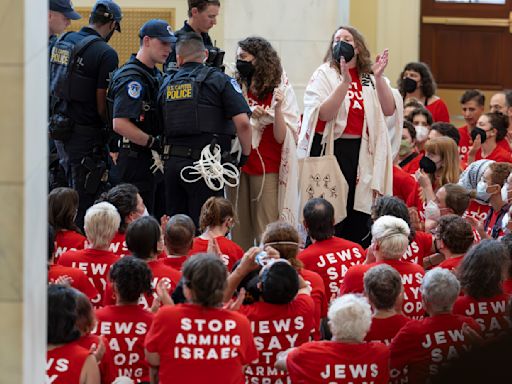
x: 267, y: 189
x: 349, y: 97
x: 416, y: 82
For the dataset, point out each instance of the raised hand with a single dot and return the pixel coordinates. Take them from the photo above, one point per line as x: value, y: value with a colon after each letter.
x: 381, y: 62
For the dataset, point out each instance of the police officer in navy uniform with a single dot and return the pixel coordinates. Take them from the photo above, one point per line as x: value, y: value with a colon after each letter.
x: 134, y: 92
x: 84, y: 109
x: 199, y: 105
x: 202, y: 16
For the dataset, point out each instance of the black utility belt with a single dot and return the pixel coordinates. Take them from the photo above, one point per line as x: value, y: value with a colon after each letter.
x: 133, y: 150
x: 87, y: 129
x: 182, y: 151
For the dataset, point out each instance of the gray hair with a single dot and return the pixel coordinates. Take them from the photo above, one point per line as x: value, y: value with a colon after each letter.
x: 440, y: 289
x: 101, y: 223
x: 382, y: 285
x: 392, y: 235
x: 350, y: 317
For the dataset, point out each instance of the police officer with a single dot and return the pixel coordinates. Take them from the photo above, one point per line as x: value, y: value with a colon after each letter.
x: 134, y: 91
x: 202, y: 16
x: 79, y: 87
x: 199, y: 105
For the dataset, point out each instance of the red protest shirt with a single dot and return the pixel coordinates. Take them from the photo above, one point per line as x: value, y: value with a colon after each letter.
x: 384, y: 330
x: 507, y: 287
x: 125, y: 327
x: 412, y: 276
x: 439, y: 111
x: 322, y: 362
x: 477, y: 210
x: 269, y: 149
x: 200, y: 345
x: 231, y: 251
x: 419, y: 248
x: 423, y: 346
x: 315, y: 282
x: 64, y: 364
x: 403, y: 183
x: 106, y: 365
x: 412, y: 166
x: 118, y: 245
x: 331, y: 259
x: 452, y: 263
x: 276, y: 328
x: 175, y: 262
x: 493, y: 222
x: 96, y: 265
x: 492, y: 314
x: 499, y: 154
x: 160, y: 271
x: 79, y: 279
x: 355, y: 119
x: 68, y: 241
x: 465, y: 142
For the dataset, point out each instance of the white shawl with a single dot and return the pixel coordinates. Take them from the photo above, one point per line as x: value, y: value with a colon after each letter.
x: 288, y: 199
x: 381, y: 135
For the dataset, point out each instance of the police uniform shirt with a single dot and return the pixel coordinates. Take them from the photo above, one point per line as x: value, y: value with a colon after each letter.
x: 219, y: 90
x: 98, y: 61
x: 128, y: 99
x: 171, y: 60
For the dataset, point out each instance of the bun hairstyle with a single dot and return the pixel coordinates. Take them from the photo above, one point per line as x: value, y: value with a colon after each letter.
x: 214, y: 212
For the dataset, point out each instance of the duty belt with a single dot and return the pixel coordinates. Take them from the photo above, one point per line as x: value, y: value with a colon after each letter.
x: 185, y: 152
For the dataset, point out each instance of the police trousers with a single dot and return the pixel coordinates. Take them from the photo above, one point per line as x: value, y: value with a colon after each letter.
x: 183, y: 197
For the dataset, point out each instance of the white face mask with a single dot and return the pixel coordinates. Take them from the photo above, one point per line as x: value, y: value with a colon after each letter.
x: 504, y: 192
x: 421, y: 133
x: 146, y: 213
x: 481, y: 192
x: 432, y: 211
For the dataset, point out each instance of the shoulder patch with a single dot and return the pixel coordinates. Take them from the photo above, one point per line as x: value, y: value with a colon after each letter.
x: 134, y: 89
x: 236, y: 86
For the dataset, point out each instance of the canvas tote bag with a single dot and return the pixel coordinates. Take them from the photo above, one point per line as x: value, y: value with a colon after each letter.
x: 322, y: 177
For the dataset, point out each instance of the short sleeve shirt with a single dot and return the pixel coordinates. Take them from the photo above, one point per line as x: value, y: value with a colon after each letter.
x: 64, y: 364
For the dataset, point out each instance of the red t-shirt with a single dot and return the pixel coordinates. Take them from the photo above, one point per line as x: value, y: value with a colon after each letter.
x: 160, y: 271
x: 507, y: 287
x: 68, y: 241
x: 277, y: 328
x: 64, y: 364
x: 80, y: 280
x: 403, y: 183
x: 118, y: 245
x: 477, y: 210
x: 322, y: 362
x: 106, y: 365
x: 269, y: 148
x: 465, y: 142
x: 423, y: 346
x: 412, y: 276
x: 231, y: 251
x: 492, y: 223
x: 175, y: 262
x: 384, y: 330
x: 96, y: 265
x: 492, y: 314
x: 412, y: 166
x: 331, y: 259
x: 499, y: 154
x: 201, y: 345
x: 417, y: 200
x: 319, y: 297
x: 125, y: 327
x: 355, y: 119
x: 439, y: 111
x: 419, y: 248
x: 451, y: 264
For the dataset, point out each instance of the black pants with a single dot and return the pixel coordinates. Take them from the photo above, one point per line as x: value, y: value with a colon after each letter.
x: 355, y: 227
x: 134, y: 167
x: 183, y: 197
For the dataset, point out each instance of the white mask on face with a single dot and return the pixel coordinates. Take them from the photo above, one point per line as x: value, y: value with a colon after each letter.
x: 504, y: 192
x: 481, y: 192
x: 432, y: 211
x: 421, y: 133
x: 146, y: 213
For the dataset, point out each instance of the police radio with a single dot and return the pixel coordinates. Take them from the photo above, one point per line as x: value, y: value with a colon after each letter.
x: 216, y: 58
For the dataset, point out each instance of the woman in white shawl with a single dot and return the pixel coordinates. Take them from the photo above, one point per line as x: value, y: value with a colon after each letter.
x: 268, y: 181
x: 350, y: 95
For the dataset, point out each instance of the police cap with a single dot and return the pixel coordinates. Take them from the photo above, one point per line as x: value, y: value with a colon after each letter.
x: 110, y: 10
x: 158, y: 29
x: 65, y: 7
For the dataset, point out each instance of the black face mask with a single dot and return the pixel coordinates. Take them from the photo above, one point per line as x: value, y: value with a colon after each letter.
x: 410, y: 85
x: 427, y: 165
x: 245, y: 69
x: 109, y: 36
x: 479, y: 131
x: 342, y: 48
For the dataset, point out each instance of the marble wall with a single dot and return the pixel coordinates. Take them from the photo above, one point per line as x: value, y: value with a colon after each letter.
x: 23, y: 189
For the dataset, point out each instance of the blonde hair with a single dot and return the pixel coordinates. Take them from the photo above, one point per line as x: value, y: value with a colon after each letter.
x: 101, y: 224
x: 392, y: 235
x: 447, y: 149
x: 350, y: 317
